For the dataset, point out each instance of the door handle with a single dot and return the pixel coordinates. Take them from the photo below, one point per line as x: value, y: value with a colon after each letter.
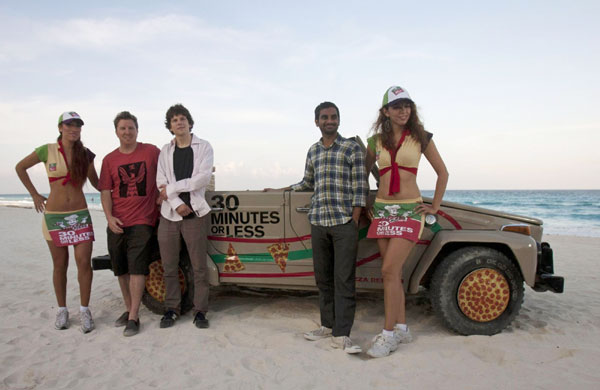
x: 303, y: 209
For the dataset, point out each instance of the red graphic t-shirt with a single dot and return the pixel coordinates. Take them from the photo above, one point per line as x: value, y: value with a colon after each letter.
x: 131, y: 178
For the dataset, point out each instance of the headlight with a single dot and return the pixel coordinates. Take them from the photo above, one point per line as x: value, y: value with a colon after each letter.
x: 430, y: 219
x: 520, y: 228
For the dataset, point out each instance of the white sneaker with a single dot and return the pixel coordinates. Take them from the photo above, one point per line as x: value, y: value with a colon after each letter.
x: 402, y: 337
x: 318, y: 334
x: 87, y: 323
x: 62, y: 320
x: 344, y: 343
x: 382, y: 346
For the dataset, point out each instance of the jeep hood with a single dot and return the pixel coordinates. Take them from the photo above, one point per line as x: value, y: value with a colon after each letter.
x: 481, y: 210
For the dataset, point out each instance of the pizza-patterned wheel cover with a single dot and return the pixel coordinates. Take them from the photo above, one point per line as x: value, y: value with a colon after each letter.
x: 155, y: 283
x: 483, y: 295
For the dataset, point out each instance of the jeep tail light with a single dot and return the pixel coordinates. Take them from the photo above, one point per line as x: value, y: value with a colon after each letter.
x: 517, y: 228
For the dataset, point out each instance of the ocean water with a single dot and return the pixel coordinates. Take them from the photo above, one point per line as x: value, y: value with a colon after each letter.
x: 564, y: 212
x: 25, y: 201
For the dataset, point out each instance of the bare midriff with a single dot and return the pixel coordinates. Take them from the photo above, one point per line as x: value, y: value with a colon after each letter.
x: 408, y: 186
x: 65, y: 197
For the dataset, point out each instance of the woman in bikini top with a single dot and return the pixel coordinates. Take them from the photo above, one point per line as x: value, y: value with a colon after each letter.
x: 65, y: 189
x: 401, y: 162
x: 68, y: 164
x: 397, y: 144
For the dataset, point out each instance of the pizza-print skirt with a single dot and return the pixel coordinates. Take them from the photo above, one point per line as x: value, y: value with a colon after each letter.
x: 67, y: 227
x: 396, y: 219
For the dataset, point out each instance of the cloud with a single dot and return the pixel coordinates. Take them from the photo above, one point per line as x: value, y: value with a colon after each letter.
x: 33, y: 38
x: 111, y: 32
x: 232, y: 116
x: 230, y: 167
x: 275, y: 171
x: 251, y: 80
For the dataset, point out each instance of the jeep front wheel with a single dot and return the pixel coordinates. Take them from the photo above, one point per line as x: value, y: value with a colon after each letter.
x: 154, y: 294
x: 477, y: 290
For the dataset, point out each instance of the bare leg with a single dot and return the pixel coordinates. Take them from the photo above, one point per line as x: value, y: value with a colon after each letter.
x: 124, y: 285
x: 83, y: 257
x: 137, y: 284
x: 60, y: 259
x: 396, y: 253
x: 382, y: 243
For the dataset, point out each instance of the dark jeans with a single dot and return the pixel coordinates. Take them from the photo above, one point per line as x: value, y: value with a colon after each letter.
x: 334, y: 259
x: 194, y: 235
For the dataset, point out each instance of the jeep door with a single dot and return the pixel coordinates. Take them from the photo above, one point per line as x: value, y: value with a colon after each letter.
x: 368, y: 261
x: 252, y: 241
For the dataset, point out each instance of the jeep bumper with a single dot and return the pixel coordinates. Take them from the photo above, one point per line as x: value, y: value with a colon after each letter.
x: 545, y: 280
x: 101, y: 262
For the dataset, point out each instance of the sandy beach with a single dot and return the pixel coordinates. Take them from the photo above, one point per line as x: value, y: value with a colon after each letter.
x: 255, y: 339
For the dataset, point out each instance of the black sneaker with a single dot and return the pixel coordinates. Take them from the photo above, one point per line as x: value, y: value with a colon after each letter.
x: 132, y: 328
x: 168, y: 319
x: 200, y: 320
x: 122, y: 320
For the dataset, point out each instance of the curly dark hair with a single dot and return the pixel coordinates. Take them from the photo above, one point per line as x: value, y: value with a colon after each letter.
x: 178, y: 109
x: 383, y: 128
x: 124, y: 115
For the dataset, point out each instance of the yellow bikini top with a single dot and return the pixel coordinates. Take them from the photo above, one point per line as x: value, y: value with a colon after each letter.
x: 406, y: 156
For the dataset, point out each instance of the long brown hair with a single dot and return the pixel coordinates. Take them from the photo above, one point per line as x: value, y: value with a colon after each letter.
x: 383, y: 128
x: 79, y: 162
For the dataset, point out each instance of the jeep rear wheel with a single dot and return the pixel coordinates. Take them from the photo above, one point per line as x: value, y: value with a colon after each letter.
x: 477, y: 290
x: 154, y: 294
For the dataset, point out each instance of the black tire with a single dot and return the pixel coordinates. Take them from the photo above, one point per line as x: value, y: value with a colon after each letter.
x: 153, y: 297
x: 477, y: 290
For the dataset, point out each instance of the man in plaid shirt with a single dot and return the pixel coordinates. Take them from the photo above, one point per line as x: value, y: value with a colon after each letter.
x: 335, y: 170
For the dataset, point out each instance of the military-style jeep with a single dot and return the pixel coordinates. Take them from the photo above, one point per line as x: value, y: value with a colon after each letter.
x: 472, y: 260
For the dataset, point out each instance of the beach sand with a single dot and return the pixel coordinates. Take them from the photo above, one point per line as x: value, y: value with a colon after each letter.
x: 255, y: 339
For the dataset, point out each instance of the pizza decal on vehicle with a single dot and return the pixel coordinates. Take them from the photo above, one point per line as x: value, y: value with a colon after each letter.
x: 232, y: 262
x: 279, y: 252
x: 155, y: 283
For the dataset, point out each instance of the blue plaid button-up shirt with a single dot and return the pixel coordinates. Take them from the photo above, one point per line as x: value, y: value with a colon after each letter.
x: 338, y: 177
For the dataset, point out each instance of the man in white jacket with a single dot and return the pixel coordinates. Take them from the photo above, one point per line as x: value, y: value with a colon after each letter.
x: 184, y: 171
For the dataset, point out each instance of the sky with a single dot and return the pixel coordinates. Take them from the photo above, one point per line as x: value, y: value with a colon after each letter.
x: 509, y: 89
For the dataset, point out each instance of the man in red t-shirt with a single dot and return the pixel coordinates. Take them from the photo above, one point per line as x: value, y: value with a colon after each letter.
x: 128, y: 192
